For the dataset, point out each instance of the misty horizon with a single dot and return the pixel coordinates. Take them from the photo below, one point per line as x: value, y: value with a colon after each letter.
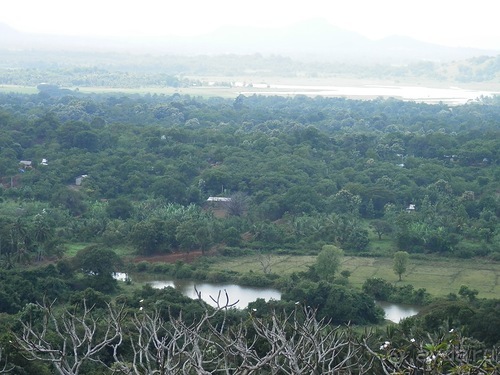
x: 315, y: 39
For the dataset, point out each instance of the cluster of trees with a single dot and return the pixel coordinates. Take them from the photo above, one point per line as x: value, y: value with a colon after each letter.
x: 310, y: 171
x: 116, y: 70
x: 74, y: 328
x: 315, y: 175
x: 136, y: 337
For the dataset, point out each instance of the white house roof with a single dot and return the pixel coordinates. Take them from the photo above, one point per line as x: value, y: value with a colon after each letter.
x: 218, y: 199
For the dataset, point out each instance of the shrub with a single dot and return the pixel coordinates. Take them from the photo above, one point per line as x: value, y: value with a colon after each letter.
x: 378, y: 288
x: 254, y: 279
x: 164, y: 268
x: 142, y: 266
x: 219, y: 277
x: 183, y: 271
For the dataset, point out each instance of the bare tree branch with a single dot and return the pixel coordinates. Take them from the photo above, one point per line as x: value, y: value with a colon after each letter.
x: 71, y: 338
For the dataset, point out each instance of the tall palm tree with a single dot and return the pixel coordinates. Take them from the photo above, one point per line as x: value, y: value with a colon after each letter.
x: 42, y: 233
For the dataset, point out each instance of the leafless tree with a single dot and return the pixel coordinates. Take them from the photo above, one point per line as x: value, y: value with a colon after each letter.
x: 173, y: 346
x: 238, y: 204
x: 296, y: 343
x: 69, y: 339
x: 300, y: 344
x: 150, y: 342
x: 445, y: 354
x: 5, y: 368
x: 265, y: 261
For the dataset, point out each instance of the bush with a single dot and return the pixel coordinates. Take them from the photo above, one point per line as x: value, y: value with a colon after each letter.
x: 199, y: 274
x: 142, y: 266
x: 91, y: 297
x: 219, y: 277
x: 183, y: 271
x: 254, y: 279
x: 378, y: 288
x: 164, y: 268
x: 466, y: 250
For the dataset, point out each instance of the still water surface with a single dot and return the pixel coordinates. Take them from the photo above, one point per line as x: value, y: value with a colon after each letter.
x: 243, y: 295
x: 395, y: 311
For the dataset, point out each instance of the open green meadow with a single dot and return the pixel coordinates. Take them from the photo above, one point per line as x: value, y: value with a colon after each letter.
x: 5, y: 89
x: 439, y: 276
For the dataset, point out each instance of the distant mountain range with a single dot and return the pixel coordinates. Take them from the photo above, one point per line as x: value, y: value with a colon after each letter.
x: 315, y: 40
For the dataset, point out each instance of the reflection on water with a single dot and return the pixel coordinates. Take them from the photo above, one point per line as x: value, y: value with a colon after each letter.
x: 243, y: 294
x: 395, y: 312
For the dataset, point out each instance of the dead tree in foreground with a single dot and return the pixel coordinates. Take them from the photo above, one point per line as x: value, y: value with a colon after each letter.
x: 5, y: 369
x: 69, y: 339
x: 149, y: 344
x: 291, y: 344
x: 296, y: 343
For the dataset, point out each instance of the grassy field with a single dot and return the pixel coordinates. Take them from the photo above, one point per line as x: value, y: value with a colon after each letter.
x: 73, y: 248
x: 296, y: 85
x: 437, y: 275
x: 5, y: 89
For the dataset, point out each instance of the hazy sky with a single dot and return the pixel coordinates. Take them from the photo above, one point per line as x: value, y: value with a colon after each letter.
x: 457, y: 23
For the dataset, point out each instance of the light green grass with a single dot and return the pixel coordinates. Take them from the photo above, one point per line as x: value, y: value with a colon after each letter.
x: 439, y: 276
x: 205, y: 92
x: 5, y: 89
x: 73, y: 248
x: 279, y: 264
x: 385, y: 245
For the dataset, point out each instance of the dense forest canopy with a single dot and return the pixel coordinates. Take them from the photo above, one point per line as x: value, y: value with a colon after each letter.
x: 299, y: 159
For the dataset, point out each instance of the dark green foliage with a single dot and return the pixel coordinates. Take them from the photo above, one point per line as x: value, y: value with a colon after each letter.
x: 153, y: 236
x: 119, y: 208
x: 383, y: 290
x: 255, y: 280
x: 70, y: 199
x: 96, y: 260
x: 310, y: 168
x: 337, y: 303
x: 90, y: 297
x: 304, y: 172
x: 98, y: 265
x: 379, y: 288
x: 381, y: 227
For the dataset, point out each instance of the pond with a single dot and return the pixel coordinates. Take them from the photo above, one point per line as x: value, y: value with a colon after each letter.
x: 243, y: 295
x: 396, y: 311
